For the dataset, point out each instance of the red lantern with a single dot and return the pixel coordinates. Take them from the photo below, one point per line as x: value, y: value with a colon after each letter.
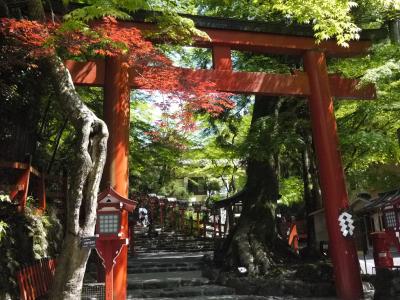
x: 111, y: 234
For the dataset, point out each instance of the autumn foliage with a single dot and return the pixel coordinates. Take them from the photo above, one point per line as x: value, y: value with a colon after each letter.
x: 151, y: 69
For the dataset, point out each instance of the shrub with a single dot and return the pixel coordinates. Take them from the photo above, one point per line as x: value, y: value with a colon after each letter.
x: 24, y: 238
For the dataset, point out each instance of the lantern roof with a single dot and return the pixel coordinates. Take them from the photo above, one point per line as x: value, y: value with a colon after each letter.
x: 111, y: 196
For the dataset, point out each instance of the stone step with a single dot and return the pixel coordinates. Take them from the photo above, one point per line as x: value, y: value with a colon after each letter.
x: 182, y: 291
x: 171, y: 238
x: 165, y: 255
x: 167, y: 246
x: 221, y: 297
x: 165, y: 283
x: 164, y: 264
x: 145, y: 261
x: 167, y: 266
x: 166, y: 276
x: 171, y: 242
x: 174, y: 244
x: 174, y: 247
x: 148, y: 255
x: 140, y: 251
x: 177, y: 246
x: 156, y: 269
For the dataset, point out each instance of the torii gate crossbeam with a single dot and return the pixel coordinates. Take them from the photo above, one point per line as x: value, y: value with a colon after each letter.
x: 93, y: 74
x: 314, y: 83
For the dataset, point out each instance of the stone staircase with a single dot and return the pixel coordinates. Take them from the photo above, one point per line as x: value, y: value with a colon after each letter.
x: 169, y: 241
x: 167, y: 265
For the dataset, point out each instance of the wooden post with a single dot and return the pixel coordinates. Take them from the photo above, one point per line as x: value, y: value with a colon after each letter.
x: 22, y: 187
x: 205, y: 221
x: 219, y: 223
x: 152, y: 211
x: 226, y: 222
x: 109, y: 275
x: 198, y: 222
x: 221, y: 56
x: 171, y: 214
x: 42, y: 192
x: 161, y: 205
x: 214, y: 226
x: 116, y: 115
x: 342, y: 250
x: 182, y: 225
x: 109, y: 251
x: 191, y: 225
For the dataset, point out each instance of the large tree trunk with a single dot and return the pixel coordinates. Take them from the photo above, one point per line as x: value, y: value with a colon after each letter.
x: 90, y: 149
x: 86, y: 170
x: 254, y: 243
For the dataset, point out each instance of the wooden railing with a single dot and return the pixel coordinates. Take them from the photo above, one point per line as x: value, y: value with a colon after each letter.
x: 34, y: 281
x: 172, y: 213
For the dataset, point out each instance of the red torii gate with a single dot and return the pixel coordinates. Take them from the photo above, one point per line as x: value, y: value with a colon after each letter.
x: 314, y: 83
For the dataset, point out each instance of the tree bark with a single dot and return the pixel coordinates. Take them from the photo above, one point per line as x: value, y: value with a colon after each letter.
x: 4, y: 12
x: 394, y: 31
x: 254, y: 242
x: 56, y: 145
x: 312, y: 192
x: 91, y: 146
x: 36, y: 10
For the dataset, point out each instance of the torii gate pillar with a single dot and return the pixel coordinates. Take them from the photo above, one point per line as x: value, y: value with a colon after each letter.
x: 116, y: 115
x: 342, y: 250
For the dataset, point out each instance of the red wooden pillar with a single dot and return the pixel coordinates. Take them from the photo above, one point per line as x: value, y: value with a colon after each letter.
x: 22, y: 187
x: 182, y: 225
x: 342, y: 250
x: 205, y: 222
x: 226, y: 222
x: 161, y: 206
x: 171, y: 216
x: 152, y: 205
x: 116, y: 115
x: 221, y: 56
x: 219, y: 223
x: 198, y: 222
x: 214, y: 225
